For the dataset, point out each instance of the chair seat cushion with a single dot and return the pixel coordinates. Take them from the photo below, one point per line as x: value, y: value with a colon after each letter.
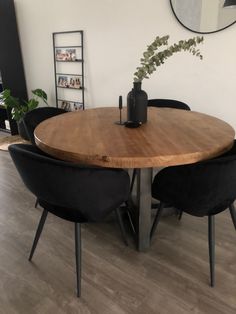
x: 69, y: 214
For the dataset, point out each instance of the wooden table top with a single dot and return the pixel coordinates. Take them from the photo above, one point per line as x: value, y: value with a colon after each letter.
x: 170, y: 137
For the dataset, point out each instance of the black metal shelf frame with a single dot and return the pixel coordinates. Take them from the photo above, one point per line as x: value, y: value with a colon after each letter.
x: 79, y: 46
x: 69, y: 87
x: 69, y: 60
x: 67, y: 46
x: 60, y: 99
x: 71, y: 74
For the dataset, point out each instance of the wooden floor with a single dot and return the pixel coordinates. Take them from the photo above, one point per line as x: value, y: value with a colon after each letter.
x: 171, y: 278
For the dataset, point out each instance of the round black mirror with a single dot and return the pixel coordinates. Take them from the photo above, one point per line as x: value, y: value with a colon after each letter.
x: 204, y: 16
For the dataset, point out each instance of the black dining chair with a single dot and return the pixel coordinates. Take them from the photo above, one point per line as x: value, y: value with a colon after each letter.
x: 34, y: 117
x: 70, y: 191
x: 38, y: 115
x: 202, y: 189
x: 161, y: 103
x: 168, y: 103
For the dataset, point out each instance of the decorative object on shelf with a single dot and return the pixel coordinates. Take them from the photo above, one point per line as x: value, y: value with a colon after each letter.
x: 137, y: 104
x: 68, y: 54
x: 69, y: 69
x: 137, y: 99
x: 69, y: 81
x: 70, y: 105
x: 19, y: 108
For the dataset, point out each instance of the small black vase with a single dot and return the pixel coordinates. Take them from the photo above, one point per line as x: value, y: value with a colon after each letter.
x: 137, y: 104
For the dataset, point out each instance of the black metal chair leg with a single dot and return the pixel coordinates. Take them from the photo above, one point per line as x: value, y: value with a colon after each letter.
x: 131, y: 222
x: 155, y: 206
x: 156, y: 219
x: 78, y: 257
x: 132, y: 180
x: 38, y: 232
x: 233, y: 214
x: 36, y: 203
x: 211, y: 243
x: 129, y: 206
x: 122, y: 227
x: 180, y: 215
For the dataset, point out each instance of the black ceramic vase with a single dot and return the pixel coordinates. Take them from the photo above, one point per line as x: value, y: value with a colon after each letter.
x: 137, y: 104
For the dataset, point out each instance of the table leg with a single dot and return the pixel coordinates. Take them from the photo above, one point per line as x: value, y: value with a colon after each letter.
x: 144, y: 198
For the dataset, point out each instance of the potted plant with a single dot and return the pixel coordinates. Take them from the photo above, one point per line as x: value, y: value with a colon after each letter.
x: 18, y: 109
x: 152, y: 58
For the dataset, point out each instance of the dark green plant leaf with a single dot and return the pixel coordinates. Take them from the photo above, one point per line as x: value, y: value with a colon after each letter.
x: 19, y: 108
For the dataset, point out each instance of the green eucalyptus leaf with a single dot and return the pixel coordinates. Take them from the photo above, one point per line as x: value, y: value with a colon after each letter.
x: 152, y: 58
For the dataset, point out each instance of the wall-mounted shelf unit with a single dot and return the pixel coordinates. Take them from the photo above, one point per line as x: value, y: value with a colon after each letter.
x: 69, y: 69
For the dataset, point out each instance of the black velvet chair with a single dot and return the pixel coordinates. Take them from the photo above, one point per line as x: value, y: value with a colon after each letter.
x: 34, y: 117
x: 168, y: 103
x: 70, y: 191
x: 161, y: 103
x: 38, y: 115
x: 201, y: 189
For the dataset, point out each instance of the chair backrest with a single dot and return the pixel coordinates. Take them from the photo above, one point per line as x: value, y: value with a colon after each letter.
x: 200, y: 189
x: 169, y: 103
x: 92, y: 191
x: 36, y: 116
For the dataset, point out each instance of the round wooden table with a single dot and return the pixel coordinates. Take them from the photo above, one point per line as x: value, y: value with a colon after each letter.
x: 170, y: 137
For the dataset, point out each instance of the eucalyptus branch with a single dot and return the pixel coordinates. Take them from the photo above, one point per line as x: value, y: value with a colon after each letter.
x: 152, y: 59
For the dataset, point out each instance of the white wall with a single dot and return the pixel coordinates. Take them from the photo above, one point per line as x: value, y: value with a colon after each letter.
x: 116, y: 34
